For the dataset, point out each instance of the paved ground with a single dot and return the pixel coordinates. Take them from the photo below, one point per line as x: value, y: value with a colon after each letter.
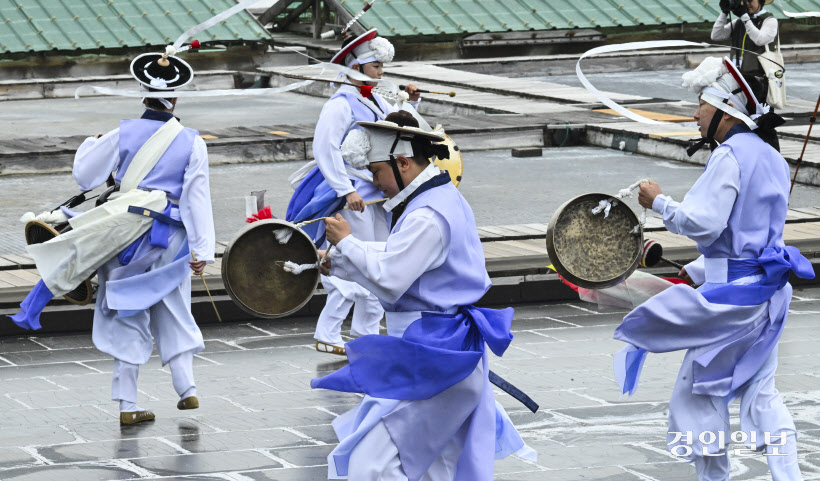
x: 260, y: 421
x: 500, y: 188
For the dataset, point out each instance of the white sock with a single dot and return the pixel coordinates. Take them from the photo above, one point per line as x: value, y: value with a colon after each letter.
x: 190, y: 392
x: 129, y: 407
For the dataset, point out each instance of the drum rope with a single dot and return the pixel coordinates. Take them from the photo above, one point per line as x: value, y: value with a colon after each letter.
x: 606, y: 204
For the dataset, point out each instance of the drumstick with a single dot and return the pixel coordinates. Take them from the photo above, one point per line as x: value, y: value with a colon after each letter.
x: 347, y: 207
x: 451, y: 94
x: 202, y: 276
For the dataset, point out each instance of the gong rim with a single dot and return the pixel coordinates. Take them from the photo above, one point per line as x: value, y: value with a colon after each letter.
x: 231, y: 282
x: 566, y: 273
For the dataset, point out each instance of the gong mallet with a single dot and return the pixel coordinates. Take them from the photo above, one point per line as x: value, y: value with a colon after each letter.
x: 347, y: 207
x: 652, y: 254
x: 421, y: 91
x: 202, y: 276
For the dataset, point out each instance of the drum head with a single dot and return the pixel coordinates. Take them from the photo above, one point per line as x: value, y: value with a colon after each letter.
x: 454, y: 165
x: 254, y: 279
x: 592, y: 251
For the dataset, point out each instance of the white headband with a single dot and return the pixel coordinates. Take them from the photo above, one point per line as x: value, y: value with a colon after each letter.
x: 377, y: 50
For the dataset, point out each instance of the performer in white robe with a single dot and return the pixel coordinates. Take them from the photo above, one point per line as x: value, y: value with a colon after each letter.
x: 145, y: 273
x: 730, y: 325
x: 331, y: 183
x: 429, y: 411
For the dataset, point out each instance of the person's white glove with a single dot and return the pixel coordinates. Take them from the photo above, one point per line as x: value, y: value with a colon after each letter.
x: 745, y: 18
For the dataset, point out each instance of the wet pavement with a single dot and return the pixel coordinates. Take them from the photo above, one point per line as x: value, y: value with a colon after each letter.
x: 500, y: 188
x: 259, y: 420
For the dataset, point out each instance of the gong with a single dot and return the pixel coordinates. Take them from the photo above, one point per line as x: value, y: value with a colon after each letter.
x: 593, y: 250
x: 253, y: 274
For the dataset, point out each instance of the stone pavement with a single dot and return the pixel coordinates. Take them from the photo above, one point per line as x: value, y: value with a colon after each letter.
x: 260, y: 421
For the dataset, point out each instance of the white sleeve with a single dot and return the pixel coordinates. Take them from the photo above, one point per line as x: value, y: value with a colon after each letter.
x: 195, y: 204
x: 389, y: 269
x: 96, y: 159
x: 334, y: 121
x: 704, y: 212
x: 722, y: 29
x: 765, y: 34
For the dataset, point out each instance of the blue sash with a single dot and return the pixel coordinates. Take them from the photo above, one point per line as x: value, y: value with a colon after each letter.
x: 435, y: 352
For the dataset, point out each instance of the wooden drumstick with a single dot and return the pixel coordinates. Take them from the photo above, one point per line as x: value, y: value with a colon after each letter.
x: 202, y: 276
x: 347, y: 207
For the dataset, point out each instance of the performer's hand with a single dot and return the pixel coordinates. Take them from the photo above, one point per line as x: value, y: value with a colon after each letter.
x: 413, y: 92
x: 685, y: 276
x: 98, y: 135
x: 325, y: 267
x: 648, y: 193
x: 336, y: 229
x: 355, y: 202
x: 198, y: 267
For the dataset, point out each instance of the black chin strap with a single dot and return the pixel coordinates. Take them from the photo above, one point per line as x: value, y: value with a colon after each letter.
x: 710, y: 133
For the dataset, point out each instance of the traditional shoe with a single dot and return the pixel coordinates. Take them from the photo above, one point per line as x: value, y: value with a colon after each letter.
x: 135, y: 417
x: 322, y: 346
x: 190, y: 402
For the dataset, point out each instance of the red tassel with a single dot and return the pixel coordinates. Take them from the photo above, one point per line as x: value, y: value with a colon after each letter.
x: 263, y: 213
x: 195, y: 44
x: 366, y: 90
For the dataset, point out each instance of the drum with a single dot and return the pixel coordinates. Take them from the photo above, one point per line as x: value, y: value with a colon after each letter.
x: 38, y: 232
x: 253, y: 274
x: 591, y: 250
x: 455, y: 164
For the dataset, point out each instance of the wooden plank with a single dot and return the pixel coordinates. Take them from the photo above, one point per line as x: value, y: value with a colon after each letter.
x: 522, y: 229
x: 507, y: 251
x: 28, y: 274
x: 7, y: 264
x: 8, y: 277
x: 528, y: 248
x: 21, y: 260
x: 492, y: 252
x: 5, y: 285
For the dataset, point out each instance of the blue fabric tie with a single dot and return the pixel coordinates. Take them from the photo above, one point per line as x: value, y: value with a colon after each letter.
x: 435, y: 352
x: 774, y: 263
x: 32, y: 306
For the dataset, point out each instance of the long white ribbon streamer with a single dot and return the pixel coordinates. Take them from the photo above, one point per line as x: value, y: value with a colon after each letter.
x: 213, y: 21
x: 624, y: 47
x: 190, y: 93
x: 798, y: 15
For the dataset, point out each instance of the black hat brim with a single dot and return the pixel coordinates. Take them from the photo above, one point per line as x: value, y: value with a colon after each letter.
x: 183, y: 73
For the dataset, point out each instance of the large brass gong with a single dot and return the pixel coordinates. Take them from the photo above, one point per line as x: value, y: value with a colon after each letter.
x: 253, y: 274
x: 591, y: 250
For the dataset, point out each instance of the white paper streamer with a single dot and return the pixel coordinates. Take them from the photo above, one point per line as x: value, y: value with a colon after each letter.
x: 624, y: 47
x: 798, y: 15
x: 213, y: 21
x: 189, y: 93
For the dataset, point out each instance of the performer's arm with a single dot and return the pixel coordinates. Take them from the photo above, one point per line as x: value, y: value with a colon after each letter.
x: 334, y: 120
x: 722, y: 29
x: 763, y: 35
x: 195, y: 204
x: 704, y: 212
x: 96, y: 159
x: 388, y: 270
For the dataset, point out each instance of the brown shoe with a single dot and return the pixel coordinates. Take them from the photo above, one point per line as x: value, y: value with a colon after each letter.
x: 136, y: 417
x: 188, y: 403
x: 322, y: 346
